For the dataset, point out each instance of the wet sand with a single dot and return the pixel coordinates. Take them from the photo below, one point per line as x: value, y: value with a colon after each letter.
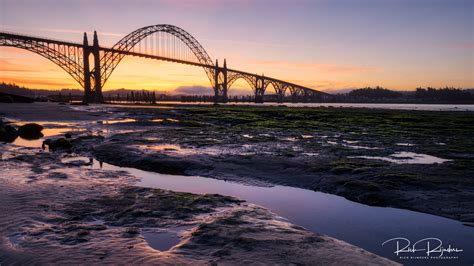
x: 415, y: 160
x: 57, y: 211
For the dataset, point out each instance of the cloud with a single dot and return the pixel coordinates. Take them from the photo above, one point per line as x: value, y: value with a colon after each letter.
x: 8, y: 65
x: 59, y: 30
x: 12, y: 50
x: 205, y: 3
x: 203, y: 90
x: 40, y: 83
x: 458, y: 45
x: 115, y: 34
x: 321, y: 68
x: 193, y: 90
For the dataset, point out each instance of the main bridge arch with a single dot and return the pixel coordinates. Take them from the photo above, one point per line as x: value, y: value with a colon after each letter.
x: 110, y: 60
x: 74, y: 59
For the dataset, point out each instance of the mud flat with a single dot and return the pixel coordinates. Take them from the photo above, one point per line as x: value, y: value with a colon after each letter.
x: 57, y: 211
x: 416, y: 160
x: 420, y: 161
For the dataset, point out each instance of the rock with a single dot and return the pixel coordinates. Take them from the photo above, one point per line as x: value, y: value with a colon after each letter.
x: 131, y: 232
x: 6, y: 99
x: 30, y: 131
x: 57, y: 175
x: 55, y: 144
x: 68, y: 135
x: 7, y: 133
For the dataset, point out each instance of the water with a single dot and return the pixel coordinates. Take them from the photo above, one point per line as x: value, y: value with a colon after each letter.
x: 390, y: 106
x: 364, y: 226
x: 50, y: 129
x: 406, y: 158
x: 163, y: 240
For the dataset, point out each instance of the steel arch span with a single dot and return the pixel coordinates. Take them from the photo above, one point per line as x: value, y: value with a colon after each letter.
x: 110, y: 60
x: 74, y: 59
x: 68, y: 56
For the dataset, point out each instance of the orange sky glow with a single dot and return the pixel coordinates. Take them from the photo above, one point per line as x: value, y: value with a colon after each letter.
x: 335, y: 47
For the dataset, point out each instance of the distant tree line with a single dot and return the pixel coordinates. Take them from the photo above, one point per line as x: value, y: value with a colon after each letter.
x: 368, y: 94
x: 374, y: 93
x: 445, y: 94
x: 420, y: 95
x: 133, y: 97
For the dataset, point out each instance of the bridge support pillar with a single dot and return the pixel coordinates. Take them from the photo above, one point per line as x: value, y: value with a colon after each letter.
x: 259, y: 89
x: 98, y: 97
x: 220, y: 84
x: 294, y: 94
x: 224, y: 84
x: 306, y: 96
x: 87, y: 74
x: 280, y: 92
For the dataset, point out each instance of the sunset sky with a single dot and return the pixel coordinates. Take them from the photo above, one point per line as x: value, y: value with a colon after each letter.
x: 323, y: 44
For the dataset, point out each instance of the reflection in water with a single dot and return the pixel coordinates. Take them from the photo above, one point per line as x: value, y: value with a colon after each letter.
x: 159, y: 120
x: 406, y: 158
x: 47, y: 132
x: 116, y: 121
x: 168, y: 148
x: 163, y: 239
x: 389, y: 106
x: 364, y: 226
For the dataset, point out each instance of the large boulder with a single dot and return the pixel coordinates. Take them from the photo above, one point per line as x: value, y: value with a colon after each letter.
x: 8, y: 133
x: 30, y: 131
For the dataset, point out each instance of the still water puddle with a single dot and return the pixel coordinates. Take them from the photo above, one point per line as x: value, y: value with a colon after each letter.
x: 169, y: 149
x: 405, y: 144
x: 117, y: 121
x: 359, y: 147
x: 159, y: 120
x: 350, y: 144
x: 51, y: 129
x: 406, y: 158
x: 163, y: 239
x: 361, y: 225
x: 177, y: 150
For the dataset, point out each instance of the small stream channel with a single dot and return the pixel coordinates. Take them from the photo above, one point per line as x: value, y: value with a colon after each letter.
x: 361, y: 225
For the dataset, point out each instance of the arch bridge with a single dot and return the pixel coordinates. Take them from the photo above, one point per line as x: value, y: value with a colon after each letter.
x: 160, y: 42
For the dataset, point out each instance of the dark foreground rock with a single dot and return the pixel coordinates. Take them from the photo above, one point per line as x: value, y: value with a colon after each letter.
x: 58, y: 144
x: 30, y: 131
x: 8, y: 133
